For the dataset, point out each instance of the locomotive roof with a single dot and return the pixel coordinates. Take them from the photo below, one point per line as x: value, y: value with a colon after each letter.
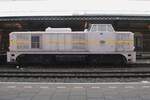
x: 92, y: 28
x: 43, y: 32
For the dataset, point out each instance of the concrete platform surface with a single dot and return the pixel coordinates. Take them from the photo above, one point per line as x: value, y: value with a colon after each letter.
x: 74, y: 91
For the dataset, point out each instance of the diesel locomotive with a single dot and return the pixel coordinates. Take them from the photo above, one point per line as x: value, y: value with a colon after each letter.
x: 98, y: 44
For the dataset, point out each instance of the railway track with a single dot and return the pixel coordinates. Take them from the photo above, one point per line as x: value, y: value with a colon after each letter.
x: 76, y: 74
x: 80, y: 72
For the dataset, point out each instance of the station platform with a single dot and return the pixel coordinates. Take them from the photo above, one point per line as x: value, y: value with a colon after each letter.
x: 143, y: 61
x: 143, y: 57
x: 74, y: 91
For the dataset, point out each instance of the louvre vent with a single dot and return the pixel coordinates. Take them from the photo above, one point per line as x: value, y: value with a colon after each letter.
x: 79, y: 41
x: 22, y: 41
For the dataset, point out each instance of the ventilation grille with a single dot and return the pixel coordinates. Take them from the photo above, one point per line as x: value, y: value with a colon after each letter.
x: 79, y: 41
x: 22, y: 41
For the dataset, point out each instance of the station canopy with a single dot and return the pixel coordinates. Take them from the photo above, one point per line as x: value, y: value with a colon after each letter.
x: 14, y: 8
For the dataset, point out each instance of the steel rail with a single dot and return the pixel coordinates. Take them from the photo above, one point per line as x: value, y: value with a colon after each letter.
x: 75, y: 74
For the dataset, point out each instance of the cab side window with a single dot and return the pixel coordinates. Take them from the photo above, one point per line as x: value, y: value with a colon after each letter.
x: 36, y: 41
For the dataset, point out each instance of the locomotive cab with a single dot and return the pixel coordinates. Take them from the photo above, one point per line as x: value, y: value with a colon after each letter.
x: 101, y: 28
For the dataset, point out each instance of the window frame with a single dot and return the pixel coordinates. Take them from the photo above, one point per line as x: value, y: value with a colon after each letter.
x: 36, y: 44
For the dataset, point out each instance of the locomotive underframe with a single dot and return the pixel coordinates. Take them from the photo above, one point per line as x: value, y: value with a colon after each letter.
x: 70, y: 57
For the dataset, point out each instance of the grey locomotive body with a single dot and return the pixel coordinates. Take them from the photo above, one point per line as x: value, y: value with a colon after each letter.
x: 98, y: 44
